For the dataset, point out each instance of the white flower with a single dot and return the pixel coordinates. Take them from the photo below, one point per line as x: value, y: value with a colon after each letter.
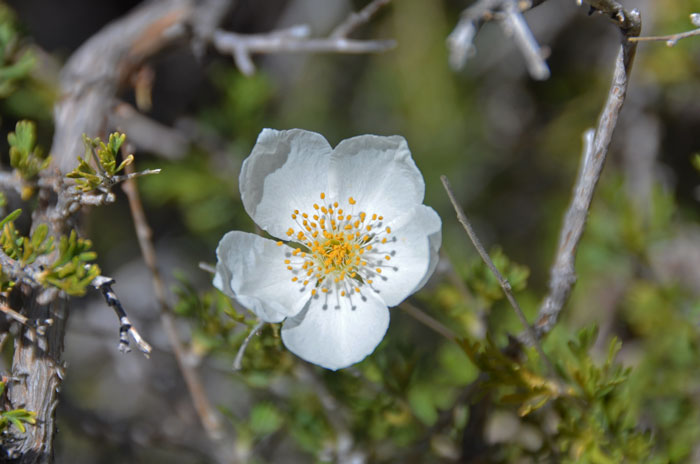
x: 355, y: 239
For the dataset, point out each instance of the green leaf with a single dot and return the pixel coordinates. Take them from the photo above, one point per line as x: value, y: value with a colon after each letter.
x: 25, y: 157
x: 11, y: 217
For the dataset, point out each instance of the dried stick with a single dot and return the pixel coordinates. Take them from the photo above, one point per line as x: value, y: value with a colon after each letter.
x: 672, y: 39
x: 291, y: 40
x: 505, y: 285
x: 460, y: 42
x: 356, y: 20
x: 514, y: 22
x: 428, y: 321
x: 39, y: 325
x: 207, y: 416
x: 104, y: 284
x: 596, y: 145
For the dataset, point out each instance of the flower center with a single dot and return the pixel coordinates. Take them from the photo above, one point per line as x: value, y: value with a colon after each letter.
x: 340, y: 249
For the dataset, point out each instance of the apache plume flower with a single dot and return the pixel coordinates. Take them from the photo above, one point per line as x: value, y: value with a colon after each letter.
x: 353, y: 240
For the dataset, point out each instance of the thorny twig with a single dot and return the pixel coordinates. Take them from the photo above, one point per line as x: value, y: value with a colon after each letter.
x: 296, y: 39
x: 104, y: 284
x: 509, y: 12
x: 505, y: 285
x: 207, y: 416
x: 596, y: 145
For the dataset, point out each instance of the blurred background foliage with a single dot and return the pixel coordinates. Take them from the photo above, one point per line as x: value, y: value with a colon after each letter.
x: 626, y: 352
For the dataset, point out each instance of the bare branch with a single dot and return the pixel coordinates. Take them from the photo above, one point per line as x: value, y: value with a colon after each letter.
x: 207, y: 415
x: 40, y: 325
x: 505, y: 285
x: 514, y: 22
x: 291, y: 40
x: 426, y: 320
x: 356, y: 20
x: 596, y: 145
x: 672, y: 39
x: 460, y: 42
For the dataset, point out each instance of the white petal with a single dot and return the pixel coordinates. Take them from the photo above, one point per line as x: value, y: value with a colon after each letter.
x: 286, y: 170
x: 337, y: 333
x: 251, y: 270
x: 435, y: 239
x: 413, y: 252
x: 378, y: 172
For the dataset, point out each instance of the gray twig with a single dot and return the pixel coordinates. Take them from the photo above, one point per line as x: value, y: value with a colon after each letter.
x: 514, y: 22
x: 356, y: 20
x: 39, y: 325
x: 509, y: 12
x: 505, y: 285
x: 596, y: 145
x: 672, y: 39
x: 292, y: 40
x: 428, y: 321
x: 207, y: 415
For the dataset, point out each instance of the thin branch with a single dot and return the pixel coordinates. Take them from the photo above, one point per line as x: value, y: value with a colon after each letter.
x: 210, y: 268
x: 238, y: 361
x: 428, y: 321
x: 460, y: 42
x: 39, y: 325
x: 505, y: 285
x: 207, y: 416
x: 514, y: 22
x: 356, y: 20
x: 672, y: 39
x: 292, y: 40
x: 596, y: 145
x: 126, y: 329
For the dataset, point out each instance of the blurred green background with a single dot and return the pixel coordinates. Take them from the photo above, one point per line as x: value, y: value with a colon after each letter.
x: 511, y: 148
